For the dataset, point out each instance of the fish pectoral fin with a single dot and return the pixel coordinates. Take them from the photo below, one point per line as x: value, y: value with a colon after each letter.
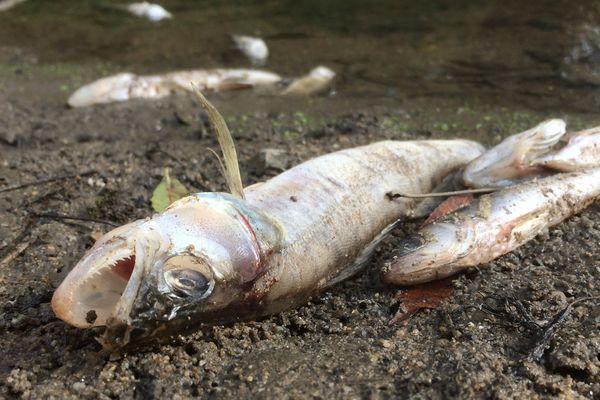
x: 529, y: 226
x: 362, y: 258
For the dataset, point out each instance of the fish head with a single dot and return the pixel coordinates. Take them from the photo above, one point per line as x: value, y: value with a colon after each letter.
x: 433, y: 253
x: 187, y: 265
x: 513, y: 159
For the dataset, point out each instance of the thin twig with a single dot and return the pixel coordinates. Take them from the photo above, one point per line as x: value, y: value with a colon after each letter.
x: 14, y: 253
x: 69, y: 217
x: 392, y: 196
x: 42, y: 197
x: 552, y: 327
x: 43, y: 181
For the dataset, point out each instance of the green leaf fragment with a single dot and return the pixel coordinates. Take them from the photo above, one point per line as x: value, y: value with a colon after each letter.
x: 168, y: 191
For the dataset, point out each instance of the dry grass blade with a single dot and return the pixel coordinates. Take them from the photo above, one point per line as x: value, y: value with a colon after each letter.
x: 232, y: 168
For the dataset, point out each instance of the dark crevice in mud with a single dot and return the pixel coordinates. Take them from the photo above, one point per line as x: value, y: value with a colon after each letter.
x: 574, y: 373
x: 24, y: 303
x: 145, y: 386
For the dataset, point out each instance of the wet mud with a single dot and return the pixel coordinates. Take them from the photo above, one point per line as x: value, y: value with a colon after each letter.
x: 108, y: 159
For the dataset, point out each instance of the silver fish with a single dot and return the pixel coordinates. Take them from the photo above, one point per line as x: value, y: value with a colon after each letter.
x: 490, y: 226
x: 126, y: 86
x: 215, y: 258
x: 8, y: 4
x: 150, y: 11
x: 317, y: 81
x: 252, y: 47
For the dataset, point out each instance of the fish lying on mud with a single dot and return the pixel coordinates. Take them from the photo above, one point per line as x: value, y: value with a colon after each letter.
x: 216, y: 258
x: 490, y: 226
x: 126, y: 86
x: 150, y: 11
x: 252, y: 47
x: 317, y: 81
x: 8, y: 4
x: 482, y: 229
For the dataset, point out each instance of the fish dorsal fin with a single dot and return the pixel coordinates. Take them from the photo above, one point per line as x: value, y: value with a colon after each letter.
x: 231, y: 166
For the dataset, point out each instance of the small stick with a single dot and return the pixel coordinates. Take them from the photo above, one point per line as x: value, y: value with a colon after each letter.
x: 552, y: 327
x: 43, y: 181
x: 14, y: 253
x: 392, y: 196
x: 69, y: 217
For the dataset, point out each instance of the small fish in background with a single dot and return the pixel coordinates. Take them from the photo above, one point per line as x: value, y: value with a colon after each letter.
x: 153, y: 12
x: 317, y: 81
x: 254, y: 48
x: 126, y: 86
x: 8, y: 4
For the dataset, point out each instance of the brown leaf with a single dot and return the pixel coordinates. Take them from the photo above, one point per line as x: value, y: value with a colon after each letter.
x: 427, y: 295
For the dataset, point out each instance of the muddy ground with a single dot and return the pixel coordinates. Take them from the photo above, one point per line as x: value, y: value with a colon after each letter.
x: 340, y: 345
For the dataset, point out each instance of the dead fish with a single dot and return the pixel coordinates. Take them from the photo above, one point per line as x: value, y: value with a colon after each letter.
x: 127, y: 86
x: 490, y: 226
x: 514, y: 159
x: 318, y: 80
x: 252, y: 47
x: 8, y: 4
x: 150, y: 11
x: 218, y: 258
x: 581, y: 152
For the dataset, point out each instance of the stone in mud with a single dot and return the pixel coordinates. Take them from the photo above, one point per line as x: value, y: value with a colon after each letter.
x: 269, y: 159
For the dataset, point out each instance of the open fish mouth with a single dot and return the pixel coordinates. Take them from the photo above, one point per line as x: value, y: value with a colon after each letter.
x: 89, y: 297
x: 104, y: 284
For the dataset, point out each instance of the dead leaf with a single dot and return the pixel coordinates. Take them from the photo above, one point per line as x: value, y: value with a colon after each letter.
x: 448, y: 206
x: 168, y: 191
x: 427, y: 295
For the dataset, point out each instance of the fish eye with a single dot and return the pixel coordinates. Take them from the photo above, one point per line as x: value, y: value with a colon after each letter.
x: 411, y: 244
x: 188, y: 276
x: 187, y: 282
